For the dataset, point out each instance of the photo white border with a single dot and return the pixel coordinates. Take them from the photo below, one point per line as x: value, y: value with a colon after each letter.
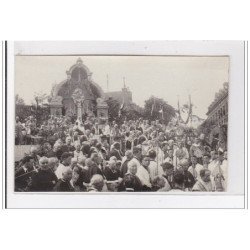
x: 233, y: 198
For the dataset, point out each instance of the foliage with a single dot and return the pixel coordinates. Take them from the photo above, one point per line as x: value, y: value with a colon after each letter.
x: 40, y: 98
x: 158, y: 109
x: 113, y: 108
x: 206, y: 127
x: 19, y: 100
x: 132, y: 112
x: 39, y: 111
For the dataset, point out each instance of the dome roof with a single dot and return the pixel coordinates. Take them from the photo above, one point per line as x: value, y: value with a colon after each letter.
x: 79, y: 73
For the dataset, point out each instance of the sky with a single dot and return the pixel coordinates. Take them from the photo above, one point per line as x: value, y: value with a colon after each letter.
x: 167, y: 77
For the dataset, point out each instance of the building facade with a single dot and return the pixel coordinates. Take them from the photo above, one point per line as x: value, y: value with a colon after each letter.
x: 77, y: 95
x: 123, y: 97
x: 218, y: 110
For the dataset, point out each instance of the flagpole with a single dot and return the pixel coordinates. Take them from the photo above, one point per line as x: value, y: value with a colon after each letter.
x: 107, y: 83
x: 124, y: 85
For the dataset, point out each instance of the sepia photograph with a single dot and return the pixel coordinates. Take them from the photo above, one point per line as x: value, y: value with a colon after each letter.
x: 121, y: 123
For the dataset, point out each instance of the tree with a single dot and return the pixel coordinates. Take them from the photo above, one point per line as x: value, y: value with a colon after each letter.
x: 114, y: 107
x: 158, y: 109
x: 40, y: 98
x: 132, y: 112
x: 19, y: 100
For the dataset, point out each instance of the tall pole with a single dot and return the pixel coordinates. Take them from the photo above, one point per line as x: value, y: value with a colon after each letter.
x: 124, y: 85
x: 107, y: 83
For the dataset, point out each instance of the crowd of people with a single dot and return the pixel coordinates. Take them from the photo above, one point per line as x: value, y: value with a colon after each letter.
x: 134, y: 156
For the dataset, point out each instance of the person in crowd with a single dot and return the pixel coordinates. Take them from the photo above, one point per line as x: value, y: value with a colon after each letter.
x: 213, y: 160
x: 206, y: 161
x: 78, y: 153
x: 53, y: 163
x: 204, y: 184
x: 154, y: 167
x: 218, y: 174
x: 115, y: 151
x: 158, y: 184
x: 130, y: 183
x: 65, y: 162
x: 180, y: 153
x: 67, y: 147
x: 131, y: 175
x: 152, y: 147
x: 189, y: 180
x: 195, y: 168
x: 170, y: 156
x: 46, y: 149
x: 45, y: 179
x: 77, y: 179
x: 56, y: 151
x: 178, y: 182
x: 73, y: 162
x: 63, y: 184
x: 197, y: 150
x: 23, y: 173
x: 96, y: 167
x: 137, y: 153
x: 111, y: 171
x: 143, y: 174
x: 85, y: 148
x: 96, y: 183
x: 112, y: 175
x: 99, y: 150
x: 34, y: 154
x: 127, y: 158
x: 168, y: 172
x: 86, y: 172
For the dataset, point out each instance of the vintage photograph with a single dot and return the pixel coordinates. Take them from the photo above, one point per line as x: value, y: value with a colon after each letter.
x: 121, y: 123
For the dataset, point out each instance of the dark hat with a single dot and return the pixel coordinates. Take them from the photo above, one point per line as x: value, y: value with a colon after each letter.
x: 178, y: 178
x: 167, y: 165
x: 27, y: 159
x: 65, y: 155
x: 152, y: 153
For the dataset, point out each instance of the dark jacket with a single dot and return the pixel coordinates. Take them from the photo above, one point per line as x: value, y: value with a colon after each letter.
x: 63, y: 186
x: 111, y: 175
x: 43, y: 181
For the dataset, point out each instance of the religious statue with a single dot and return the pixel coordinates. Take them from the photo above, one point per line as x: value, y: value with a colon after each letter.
x: 78, y: 98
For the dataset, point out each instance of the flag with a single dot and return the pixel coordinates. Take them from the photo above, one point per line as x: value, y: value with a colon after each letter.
x: 121, y: 108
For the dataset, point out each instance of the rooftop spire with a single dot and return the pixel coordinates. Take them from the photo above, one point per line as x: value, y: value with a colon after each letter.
x: 79, y: 60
